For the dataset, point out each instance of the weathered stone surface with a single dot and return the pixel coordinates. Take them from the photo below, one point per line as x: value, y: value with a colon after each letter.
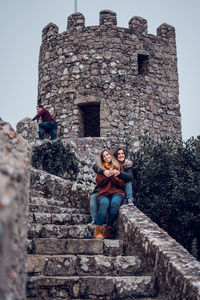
x: 49, y: 246
x: 136, y: 286
x: 130, y: 75
x: 45, y: 201
x: 100, y: 265
x: 89, y: 246
x: 14, y: 191
x: 58, y: 188
x: 177, y: 271
x: 106, y: 265
x: 76, y: 246
x: 53, y: 209
x: 113, y: 247
x: 67, y: 250
x: 27, y: 128
x: 59, y: 219
x: 35, y: 264
x: 100, y: 287
x: 60, y: 231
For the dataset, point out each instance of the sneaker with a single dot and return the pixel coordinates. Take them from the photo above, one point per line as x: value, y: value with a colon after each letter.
x: 93, y: 222
x: 130, y: 201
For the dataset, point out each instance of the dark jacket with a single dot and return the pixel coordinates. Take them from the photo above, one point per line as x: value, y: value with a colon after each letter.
x: 125, y: 175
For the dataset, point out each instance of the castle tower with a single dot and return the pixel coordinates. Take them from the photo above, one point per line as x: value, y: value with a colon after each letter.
x: 110, y: 81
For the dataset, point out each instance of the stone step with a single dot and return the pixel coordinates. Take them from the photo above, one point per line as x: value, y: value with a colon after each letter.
x: 101, y: 287
x: 100, y: 298
x: 44, y: 201
x: 76, y: 246
x: 51, y: 186
x: 58, y: 219
x: 54, y: 209
x: 71, y: 265
x: 60, y: 231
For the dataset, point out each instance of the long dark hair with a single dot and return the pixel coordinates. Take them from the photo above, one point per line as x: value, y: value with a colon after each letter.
x: 115, y: 153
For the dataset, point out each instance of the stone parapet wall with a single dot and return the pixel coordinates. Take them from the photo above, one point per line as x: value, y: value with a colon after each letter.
x: 129, y: 75
x: 177, y: 272
x: 14, y: 193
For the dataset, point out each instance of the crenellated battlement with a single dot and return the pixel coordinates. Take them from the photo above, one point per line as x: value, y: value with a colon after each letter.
x: 166, y: 31
x: 49, y: 30
x: 136, y: 25
x: 76, y: 22
x: 108, y: 18
x: 105, y: 80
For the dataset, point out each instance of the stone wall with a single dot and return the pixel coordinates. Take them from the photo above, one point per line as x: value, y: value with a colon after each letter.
x: 177, y: 271
x: 129, y: 75
x: 86, y: 150
x: 14, y: 191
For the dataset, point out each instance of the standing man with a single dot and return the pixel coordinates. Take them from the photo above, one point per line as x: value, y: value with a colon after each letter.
x: 47, y: 123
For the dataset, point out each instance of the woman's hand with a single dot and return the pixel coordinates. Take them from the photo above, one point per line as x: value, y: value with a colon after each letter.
x: 115, y: 172
x: 108, y: 173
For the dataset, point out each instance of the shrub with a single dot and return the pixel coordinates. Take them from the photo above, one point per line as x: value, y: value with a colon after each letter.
x: 56, y: 159
x: 166, y: 186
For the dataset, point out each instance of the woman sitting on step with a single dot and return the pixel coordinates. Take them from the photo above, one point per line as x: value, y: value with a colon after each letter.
x: 110, y: 193
x: 126, y: 175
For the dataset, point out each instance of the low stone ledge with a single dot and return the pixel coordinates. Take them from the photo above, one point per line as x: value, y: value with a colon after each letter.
x: 177, y: 272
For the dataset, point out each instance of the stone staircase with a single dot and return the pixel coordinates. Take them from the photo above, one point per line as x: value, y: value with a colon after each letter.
x: 65, y: 262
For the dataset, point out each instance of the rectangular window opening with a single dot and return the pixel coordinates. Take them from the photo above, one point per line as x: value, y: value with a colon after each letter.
x: 143, y: 64
x: 90, y: 120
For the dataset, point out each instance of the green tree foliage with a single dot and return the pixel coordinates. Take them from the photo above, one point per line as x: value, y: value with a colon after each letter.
x: 56, y: 159
x: 166, y: 186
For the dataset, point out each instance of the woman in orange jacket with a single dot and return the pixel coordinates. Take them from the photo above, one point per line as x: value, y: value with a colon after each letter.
x: 110, y: 193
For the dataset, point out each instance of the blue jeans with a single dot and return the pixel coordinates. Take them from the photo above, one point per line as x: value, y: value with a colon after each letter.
x: 128, y: 190
x: 52, y: 126
x: 93, y: 200
x: 110, y: 204
x: 93, y: 206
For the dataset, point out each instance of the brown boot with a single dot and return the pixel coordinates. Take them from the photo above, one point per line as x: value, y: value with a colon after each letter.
x: 97, y: 232
x: 106, y: 232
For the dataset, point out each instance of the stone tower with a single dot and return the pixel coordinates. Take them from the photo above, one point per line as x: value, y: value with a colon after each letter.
x: 109, y: 81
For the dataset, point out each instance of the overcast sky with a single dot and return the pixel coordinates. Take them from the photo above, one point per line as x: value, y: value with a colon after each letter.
x: 21, y: 24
